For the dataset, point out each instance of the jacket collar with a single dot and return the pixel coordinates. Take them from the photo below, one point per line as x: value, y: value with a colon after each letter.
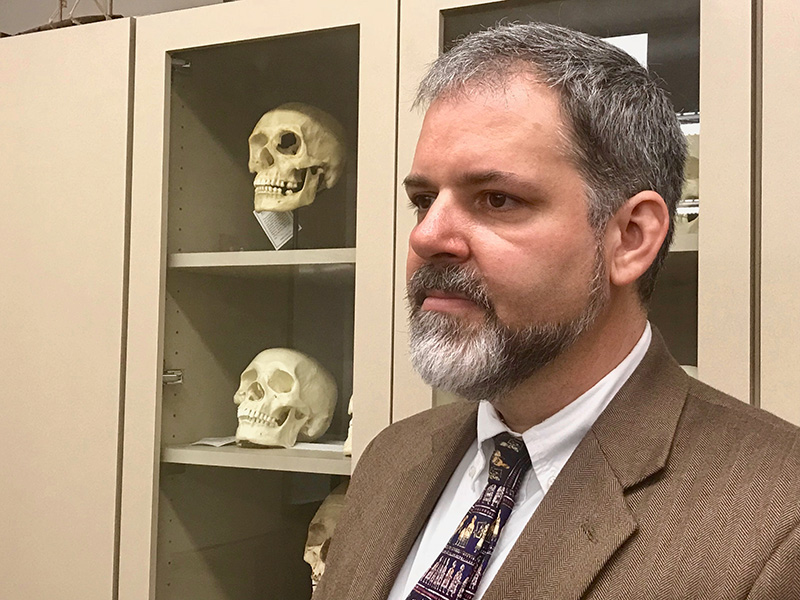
x: 416, y: 485
x: 585, y: 517
x: 581, y: 521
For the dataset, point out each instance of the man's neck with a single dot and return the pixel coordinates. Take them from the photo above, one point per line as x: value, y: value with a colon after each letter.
x: 595, y: 354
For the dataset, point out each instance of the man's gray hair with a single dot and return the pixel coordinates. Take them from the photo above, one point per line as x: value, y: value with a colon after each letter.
x: 622, y: 129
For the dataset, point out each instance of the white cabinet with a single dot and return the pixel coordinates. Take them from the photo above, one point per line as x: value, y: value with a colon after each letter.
x: 112, y: 278
x: 778, y: 245
x: 64, y: 126
x: 208, y: 290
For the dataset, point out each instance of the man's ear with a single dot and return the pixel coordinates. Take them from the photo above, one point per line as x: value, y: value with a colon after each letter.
x: 634, y: 236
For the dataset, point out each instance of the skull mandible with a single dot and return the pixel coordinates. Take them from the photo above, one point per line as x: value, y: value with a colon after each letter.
x: 295, y: 151
x: 284, y: 396
x: 320, y: 532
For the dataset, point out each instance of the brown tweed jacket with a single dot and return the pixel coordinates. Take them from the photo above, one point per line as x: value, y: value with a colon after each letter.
x: 677, y: 492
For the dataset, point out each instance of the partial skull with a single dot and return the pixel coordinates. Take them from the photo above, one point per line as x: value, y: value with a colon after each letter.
x: 347, y: 450
x: 321, y: 530
x: 295, y: 151
x: 691, y: 185
x: 284, y: 396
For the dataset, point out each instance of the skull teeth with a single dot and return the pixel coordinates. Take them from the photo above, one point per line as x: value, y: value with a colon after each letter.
x: 259, y: 417
x: 278, y: 187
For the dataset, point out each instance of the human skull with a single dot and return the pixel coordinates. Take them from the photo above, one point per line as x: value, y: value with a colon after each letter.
x: 320, y: 532
x: 347, y: 450
x: 284, y: 396
x: 691, y: 184
x: 295, y: 151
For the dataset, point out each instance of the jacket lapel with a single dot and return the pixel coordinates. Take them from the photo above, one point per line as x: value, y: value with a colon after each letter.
x: 416, y: 486
x: 585, y: 517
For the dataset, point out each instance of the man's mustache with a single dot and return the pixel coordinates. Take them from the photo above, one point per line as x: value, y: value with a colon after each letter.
x: 454, y: 279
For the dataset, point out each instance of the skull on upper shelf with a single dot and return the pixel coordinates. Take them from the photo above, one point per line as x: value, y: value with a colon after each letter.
x: 295, y: 151
x: 284, y: 396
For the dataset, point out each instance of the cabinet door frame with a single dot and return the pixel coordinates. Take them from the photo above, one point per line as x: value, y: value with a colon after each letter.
x: 67, y: 97
x: 779, y: 276
x: 725, y: 281
x: 157, y: 36
x: 420, y: 41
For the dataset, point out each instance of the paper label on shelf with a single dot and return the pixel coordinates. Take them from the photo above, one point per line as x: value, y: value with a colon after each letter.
x: 279, y: 226
x: 215, y: 441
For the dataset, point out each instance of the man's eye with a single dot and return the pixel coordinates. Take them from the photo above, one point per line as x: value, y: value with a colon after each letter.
x: 498, y: 200
x: 422, y: 201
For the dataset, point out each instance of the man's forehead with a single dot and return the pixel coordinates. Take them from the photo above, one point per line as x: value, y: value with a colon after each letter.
x: 522, y: 97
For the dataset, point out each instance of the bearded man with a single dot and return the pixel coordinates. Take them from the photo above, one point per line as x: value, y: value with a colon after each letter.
x: 587, y: 464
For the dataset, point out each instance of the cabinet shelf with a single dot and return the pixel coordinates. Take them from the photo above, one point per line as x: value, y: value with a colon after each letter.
x: 256, y: 262
x: 326, y: 458
x: 262, y: 258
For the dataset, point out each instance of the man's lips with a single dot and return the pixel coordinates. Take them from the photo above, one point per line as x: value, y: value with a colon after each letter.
x: 446, y: 301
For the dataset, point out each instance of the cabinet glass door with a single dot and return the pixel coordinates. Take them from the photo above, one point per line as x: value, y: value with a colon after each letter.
x: 687, y: 306
x: 271, y: 275
x: 665, y: 36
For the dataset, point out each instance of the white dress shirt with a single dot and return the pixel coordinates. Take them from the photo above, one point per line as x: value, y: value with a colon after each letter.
x: 550, y: 444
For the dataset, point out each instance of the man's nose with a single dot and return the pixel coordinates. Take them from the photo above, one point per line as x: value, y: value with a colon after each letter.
x: 441, y: 234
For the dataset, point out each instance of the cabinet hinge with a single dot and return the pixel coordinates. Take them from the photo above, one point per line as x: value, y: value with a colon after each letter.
x: 172, y: 377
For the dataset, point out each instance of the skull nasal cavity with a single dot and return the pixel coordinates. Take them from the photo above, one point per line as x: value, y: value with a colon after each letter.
x: 288, y: 143
x: 281, y: 382
x: 256, y: 391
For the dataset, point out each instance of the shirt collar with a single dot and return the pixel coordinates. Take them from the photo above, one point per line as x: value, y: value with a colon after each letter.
x: 551, y: 442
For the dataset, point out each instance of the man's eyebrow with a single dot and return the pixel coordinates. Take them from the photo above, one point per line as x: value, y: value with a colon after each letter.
x: 470, y: 178
x: 416, y: 181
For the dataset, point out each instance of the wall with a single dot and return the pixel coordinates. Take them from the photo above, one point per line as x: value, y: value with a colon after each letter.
x: 22, y: 15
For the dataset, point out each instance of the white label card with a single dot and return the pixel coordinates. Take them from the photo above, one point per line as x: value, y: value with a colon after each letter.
x: 279, y: 226
x: 635, y: 45
x: 217, y: 442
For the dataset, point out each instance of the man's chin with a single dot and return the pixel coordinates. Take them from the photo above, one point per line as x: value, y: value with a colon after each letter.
x: 452, y: 355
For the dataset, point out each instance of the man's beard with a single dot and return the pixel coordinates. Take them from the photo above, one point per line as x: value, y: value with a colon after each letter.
x: 486, y: 360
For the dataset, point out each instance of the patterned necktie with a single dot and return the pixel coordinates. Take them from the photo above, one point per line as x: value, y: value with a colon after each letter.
x: 456, y: 572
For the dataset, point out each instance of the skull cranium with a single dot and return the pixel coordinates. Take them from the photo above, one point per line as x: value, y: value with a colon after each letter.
x: 295, y: 151
x: 320, y: 532
x: 284, y: 396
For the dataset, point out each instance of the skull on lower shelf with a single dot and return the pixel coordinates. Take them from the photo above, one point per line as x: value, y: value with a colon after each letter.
x: 284, y: 396
x: 320, y: 532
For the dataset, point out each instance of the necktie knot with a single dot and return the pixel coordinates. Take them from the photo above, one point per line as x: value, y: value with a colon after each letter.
x: 510, y: 458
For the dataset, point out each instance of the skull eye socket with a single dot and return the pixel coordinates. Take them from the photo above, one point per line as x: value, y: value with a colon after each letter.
x: 280, y: 382
x: 289, y: 143
x: 323, y: 552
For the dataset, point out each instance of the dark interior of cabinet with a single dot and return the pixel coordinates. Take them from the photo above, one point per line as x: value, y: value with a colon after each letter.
x: 217, y: 96
x: 673, y: 307
x: 673, y: 54
x: 673, y: 29
x: 235, y: 534
x: 216, y: 324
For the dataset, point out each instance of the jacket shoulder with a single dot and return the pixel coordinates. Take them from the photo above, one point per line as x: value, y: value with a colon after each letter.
x: 412, y: 432
x: 755, y: 454
x: 727, y: 409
